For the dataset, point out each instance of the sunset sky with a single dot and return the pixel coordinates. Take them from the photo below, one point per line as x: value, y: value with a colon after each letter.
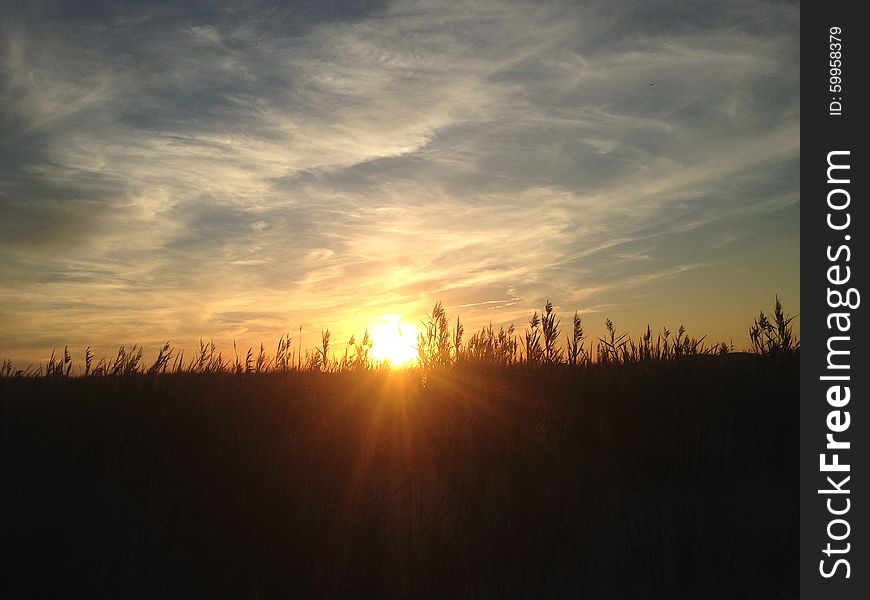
x: 238, y: 172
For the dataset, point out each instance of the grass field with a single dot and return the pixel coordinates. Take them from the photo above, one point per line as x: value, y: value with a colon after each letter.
x: 633, y: 473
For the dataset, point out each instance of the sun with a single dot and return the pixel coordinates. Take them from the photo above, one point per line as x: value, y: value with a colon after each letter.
x: 394, y: 342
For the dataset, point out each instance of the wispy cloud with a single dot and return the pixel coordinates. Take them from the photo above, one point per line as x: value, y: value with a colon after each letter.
x: 175, y: 173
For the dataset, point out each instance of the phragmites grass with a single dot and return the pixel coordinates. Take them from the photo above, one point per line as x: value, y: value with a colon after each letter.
x: 533, y: 340
x: 362, y: 353
x: 489, y: 347
x: 773, y: 336
x: 550, y: 330
x: 433, y: 346
x: 357, y: 356
x: 457, y: 339
x: 319, y: 359
x: 57, y: 366
x: 503, y: 464
x: 610, y: 349
x: 162, y: 360
x: 284, y: 358
x: 576, y: 354
x: 438, y: 346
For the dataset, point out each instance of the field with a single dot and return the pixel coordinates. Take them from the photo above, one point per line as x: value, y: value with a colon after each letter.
x: 641, y: 472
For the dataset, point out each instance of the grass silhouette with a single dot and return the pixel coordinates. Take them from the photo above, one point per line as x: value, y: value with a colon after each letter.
x: 498, y: 467
x: 437, y: 347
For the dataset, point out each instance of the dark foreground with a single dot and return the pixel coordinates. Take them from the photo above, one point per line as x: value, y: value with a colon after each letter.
x: 672, y: 479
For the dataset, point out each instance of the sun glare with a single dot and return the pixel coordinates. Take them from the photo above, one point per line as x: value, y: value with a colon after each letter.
x: 394, y: 341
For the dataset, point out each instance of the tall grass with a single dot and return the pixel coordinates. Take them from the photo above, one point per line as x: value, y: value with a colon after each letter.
x: 636, y: 472
x: 773, y: 334
x: 438, y: 347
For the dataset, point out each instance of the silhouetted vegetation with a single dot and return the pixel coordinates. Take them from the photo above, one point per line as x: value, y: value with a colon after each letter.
x: 506, y: 465
x: 437, y: 347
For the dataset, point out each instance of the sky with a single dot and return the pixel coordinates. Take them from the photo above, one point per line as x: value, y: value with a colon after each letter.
x: 239, y: 171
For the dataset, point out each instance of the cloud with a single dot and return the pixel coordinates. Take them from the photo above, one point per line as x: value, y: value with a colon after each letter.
x: 234, y: 172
